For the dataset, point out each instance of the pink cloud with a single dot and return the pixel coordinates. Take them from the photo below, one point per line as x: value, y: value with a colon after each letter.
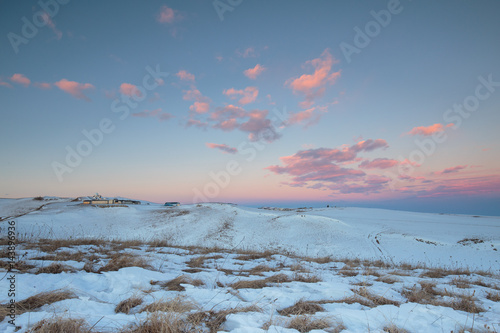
x: 428, y: 130
x: 453, y: 169
x: 5, y: 84
x: 224, y: 148
x: 20, y: 79
x: 313, y: 85
x: 196, y: 123
x: 201, y: 104
x: 129, y: 89
x: 324, y: 165
x: 252, y: 73
x: 43, y: 85
x: 167, y: 15
x: 378, y: 163
x: 307, y: 117
x: 73, y: 88
x: 51, y: 24
x: 254, y: 122
x: 249, y: 94
x: 185, y: 76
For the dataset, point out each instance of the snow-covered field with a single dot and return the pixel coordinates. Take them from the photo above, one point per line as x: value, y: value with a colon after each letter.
x: 379, y: 269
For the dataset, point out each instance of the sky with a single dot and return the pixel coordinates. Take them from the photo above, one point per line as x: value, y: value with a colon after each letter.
x: 389, y: 104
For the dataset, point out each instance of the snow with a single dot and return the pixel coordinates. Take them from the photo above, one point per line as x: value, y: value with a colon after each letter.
x: 373, y: 234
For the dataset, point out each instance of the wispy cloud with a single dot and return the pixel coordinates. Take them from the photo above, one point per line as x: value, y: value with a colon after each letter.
x: 74, y: 88
x: 185, y: 76
x: 378, y: 163
x: 201, y: 104
x: 20, y: 79
x: 167, y: 15
x: 252, y: 73
x: 453, y: 169
x: 313, y: 85
x: 248, y: 95
x: 52, y: 25
x: 428, y: 130
x: 249, y: 52
x: 224, y: 148
x: 129, y: 89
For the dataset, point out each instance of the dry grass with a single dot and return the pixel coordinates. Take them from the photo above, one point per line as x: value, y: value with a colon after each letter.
x: 126, y: 305
x: 392, y: 328
x: 308, y: 278
x: 301, y: 308
x: 175, y: 284
x: 460, y: 283
x: 258, y: 284
x: 348, y: 272
x: 259, y: 269
x: 253, y: 255
x: 426, y: 294
x: 159, y: 322
x: 36, y: 301
x: 306, y: 323
x: 196, y: 262
x: 375, y: 299
x: 63, y: 256
x: 54, y: 268
x: 437, y: 273
x: 61, y: 325
x: 18, y: 266
x: 177, y: 304
x: 213, y: 320
x: 121, y: 260
x: 495, y: 297
x: 387, y: 279
x: 52, y: 245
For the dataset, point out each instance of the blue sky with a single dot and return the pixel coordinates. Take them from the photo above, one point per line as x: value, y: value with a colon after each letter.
x: 273, y: 92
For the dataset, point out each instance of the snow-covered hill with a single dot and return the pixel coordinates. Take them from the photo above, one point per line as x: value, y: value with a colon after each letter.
x: 365, y: 233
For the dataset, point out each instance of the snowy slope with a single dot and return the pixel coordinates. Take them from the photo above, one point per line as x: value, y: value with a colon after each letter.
x: 392, y: 236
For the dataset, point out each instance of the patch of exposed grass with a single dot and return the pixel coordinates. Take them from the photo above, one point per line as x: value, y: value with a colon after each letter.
x: 162, y: 323
x: 306, y: 323
x: 126, y: 305
x: 36, y: 301
x: 301, y: 308
x: 392, y: 328
x: 176, y: 284
x: 375, y: 299
x: 196, y: 262
x: 495, y: 297
x: 54, y: 268
x: 258, y: 284
x: 308, y: 278
x: 63, y: 256
x: 121, y: 260
x: 177, y: 304
x: 61, y: 325
x: 387, y: 279
x: 259, y: 269
x: 18, y: 266
x: 348, y: 272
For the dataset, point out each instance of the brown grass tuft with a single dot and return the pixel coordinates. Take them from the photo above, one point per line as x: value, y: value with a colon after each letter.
x: 126, y: 305
x: 375, y: 299
x: 159, y: 322
x: 258, y: 284
x: 392, y: 328
x: 54, y: 268
x: 175, y: 284
x: 61, y: 325
x: 196, y: 262
x: 301, y: 308
x: 36, y: 301
x: 495, y: 297
x: 177, y: 304
x: 121, y: 260
x: 306, y: 323
x: 308, y: 278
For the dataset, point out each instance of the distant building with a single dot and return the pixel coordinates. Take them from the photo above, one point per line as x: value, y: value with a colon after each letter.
x: 172, y: 204
x: 99, y: 200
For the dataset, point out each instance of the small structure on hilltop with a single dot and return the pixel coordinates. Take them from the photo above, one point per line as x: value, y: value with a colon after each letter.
x: 172, y: 204
x: 97, y: 199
